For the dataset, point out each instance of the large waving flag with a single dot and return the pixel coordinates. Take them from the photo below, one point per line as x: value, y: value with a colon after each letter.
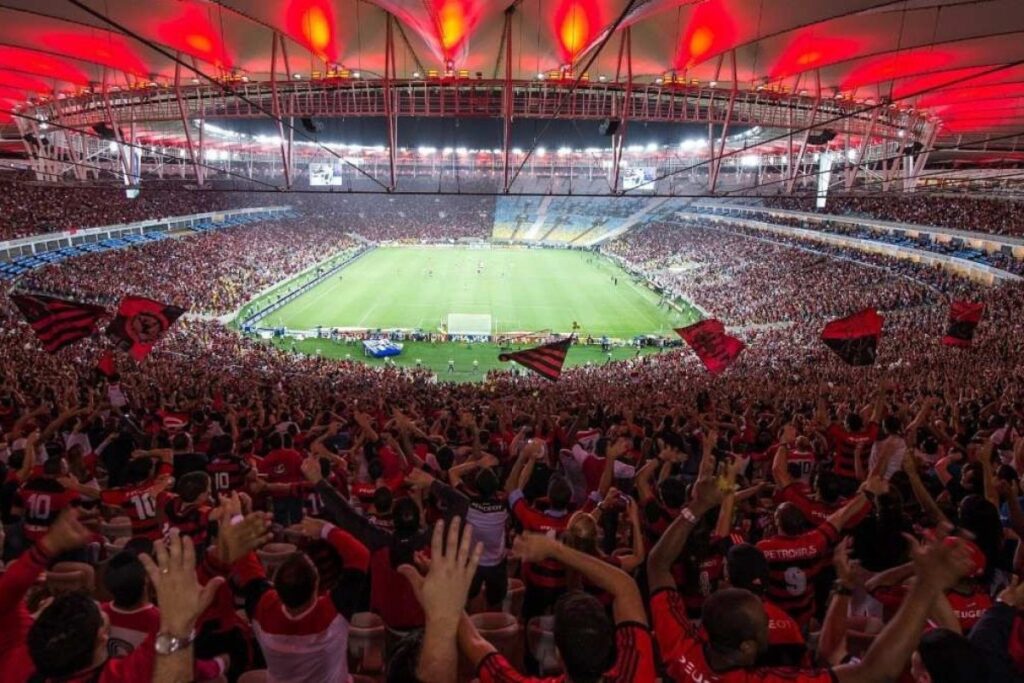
x: 855, y: 338
x: 58, y: 322
x: 964, y: 317
x: 140, y: 323
x: 546, y: 360
x: 716, y: 349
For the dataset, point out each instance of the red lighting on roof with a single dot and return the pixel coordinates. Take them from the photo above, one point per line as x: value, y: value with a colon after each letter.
x: 894, y: 66
x: 455, y: 19
x: 311, y: 22
x: 193, y: 33
x: 711, y: 30
x: 809, y: 51
x: 40, y: 64
x: 18, y: 81
x: 577, y: 22
x: 110, y: 50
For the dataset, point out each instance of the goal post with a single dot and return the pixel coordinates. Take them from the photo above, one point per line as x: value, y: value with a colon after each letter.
x: 469, y: 325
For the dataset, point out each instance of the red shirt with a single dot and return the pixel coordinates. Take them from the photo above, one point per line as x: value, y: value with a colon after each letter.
x: 793, y: 564
x: 42, y: 499
x: 229, y: 473
x: 634, y: 662
x: 139, y: 503
x: 282, y: 466
x: 546, y: 574
x: 815, y: 511
x: 682, y: 650
x: 15, y: 622
x: 844, y: 446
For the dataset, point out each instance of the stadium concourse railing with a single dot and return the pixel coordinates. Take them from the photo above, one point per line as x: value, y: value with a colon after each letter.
x: 989, y: 243
x: 20, y: 255
x: 976, y: 271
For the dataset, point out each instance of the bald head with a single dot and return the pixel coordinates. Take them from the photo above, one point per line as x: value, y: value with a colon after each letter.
x: 737, y: 625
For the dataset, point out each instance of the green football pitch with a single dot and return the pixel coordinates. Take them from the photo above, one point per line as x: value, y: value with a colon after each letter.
x: 523, y: 290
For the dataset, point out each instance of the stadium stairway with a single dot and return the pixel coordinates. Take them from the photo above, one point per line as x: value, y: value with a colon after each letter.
x: 594, y: 236
x: 537, y: 226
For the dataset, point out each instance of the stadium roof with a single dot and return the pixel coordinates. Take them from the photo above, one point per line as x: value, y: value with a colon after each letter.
x: 962, y: 60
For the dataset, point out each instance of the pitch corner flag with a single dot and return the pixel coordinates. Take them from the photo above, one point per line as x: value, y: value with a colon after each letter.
x: 855, y: 338
x: 716, y: 349
x: 546, y: 360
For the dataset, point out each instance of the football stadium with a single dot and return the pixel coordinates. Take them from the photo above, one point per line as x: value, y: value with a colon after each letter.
x: 491, y: 341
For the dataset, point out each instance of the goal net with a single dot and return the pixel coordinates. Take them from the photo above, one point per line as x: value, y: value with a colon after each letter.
x: 469, y: 324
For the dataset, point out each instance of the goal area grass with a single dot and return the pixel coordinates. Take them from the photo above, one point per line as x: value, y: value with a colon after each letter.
x: 523, y: 290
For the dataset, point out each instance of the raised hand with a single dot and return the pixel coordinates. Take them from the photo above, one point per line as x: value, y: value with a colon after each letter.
x: 706, y: 495
x: 235, y: 541
x: 173, y: 575
x: 66, y: 534
x: 453, y: 562
x: 311, y: 470
x: 940, y: 562
x: 533, y: 547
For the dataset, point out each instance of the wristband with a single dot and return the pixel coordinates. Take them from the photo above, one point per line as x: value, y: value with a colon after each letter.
x: 840, y: 589
x: 237, y: 519
x: 688, y: 515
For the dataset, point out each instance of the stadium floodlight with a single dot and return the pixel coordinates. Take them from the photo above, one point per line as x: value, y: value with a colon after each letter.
x: 357, y: 74
x: 378, y: 148
x: 900, y: 133
x: 750, y: 160
x: 540, y: 77
x: 542, y: 152
x: 635, y: 148
x: 496, y: 150
x: 592, y: 150
x: 461, y: 151
x: 426, y: 151
x: 851, y: 154
x: 564, y: 151
x: 447, y: 151
x: 517, y: 150
x: 112, y: 146
x: 297, y: 76
x: 417, y: 74
x: 652, y: 146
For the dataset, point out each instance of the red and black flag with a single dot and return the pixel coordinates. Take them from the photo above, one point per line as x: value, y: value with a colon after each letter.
x: 716, y: 349
x: 140, y: 323
x: 546, y: 360
x: 964, y: 317
x: 58, y: 322
x: 106, y: 365
x: 855, y: 338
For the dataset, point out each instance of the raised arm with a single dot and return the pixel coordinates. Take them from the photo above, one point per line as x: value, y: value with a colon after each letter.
x: 707, y: 496
x: 627, y: 605
x: 938, y: 567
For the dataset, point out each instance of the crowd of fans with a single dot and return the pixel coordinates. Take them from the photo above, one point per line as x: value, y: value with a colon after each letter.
x: 408, y: 219
x: 850, y: 524
x: 28, y: 208
x: 208, y: 272
x: 978, y: 214
x: 728, y: 270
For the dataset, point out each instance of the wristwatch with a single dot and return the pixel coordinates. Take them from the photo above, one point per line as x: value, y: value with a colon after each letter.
x: 166, y: 644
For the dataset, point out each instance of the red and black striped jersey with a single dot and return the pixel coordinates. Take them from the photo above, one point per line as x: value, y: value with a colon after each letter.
x: 844, y: 446
x: 191, y: 520
x: 139, y: 502
x: 229, y: 474
x: 42, y: 500
x: 793, y: 564
x: 547, y: 574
